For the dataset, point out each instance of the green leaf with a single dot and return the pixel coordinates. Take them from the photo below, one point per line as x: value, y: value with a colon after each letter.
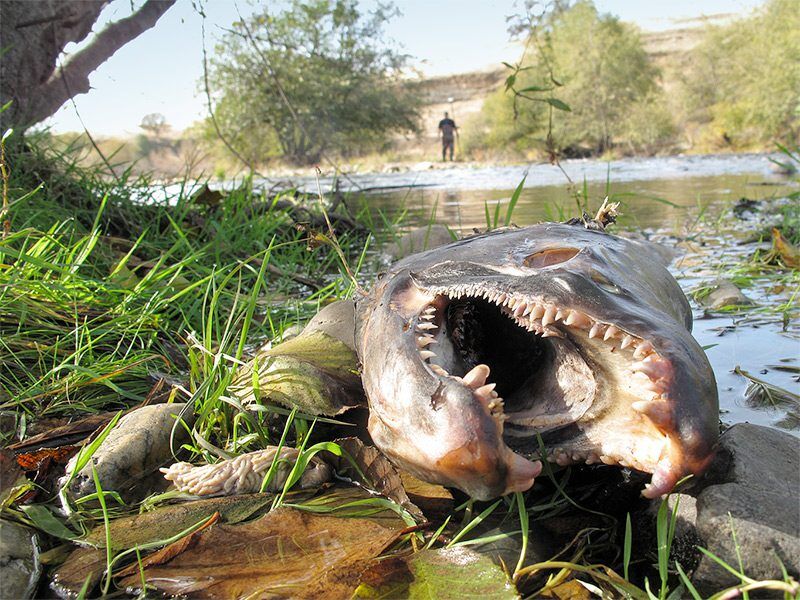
x: 536, y: 88
x: 626, y: 550
x: 556, y: 103
x: 45, y: 520
x: 514, y: 199
x: 510, y: 81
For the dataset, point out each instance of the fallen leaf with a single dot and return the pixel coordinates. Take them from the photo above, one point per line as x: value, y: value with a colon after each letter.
x: 170, y: 551
x: 160, y: 524
x: 569, y: 590
x: 65, y: 435
x: 288, y: 552
x: 13, y: 483
x: 378, y: 473
x: 444, y: 573
x: 788, y: 253
x: 32, y: 461
x: 314, y: 372
x: 434, y: 500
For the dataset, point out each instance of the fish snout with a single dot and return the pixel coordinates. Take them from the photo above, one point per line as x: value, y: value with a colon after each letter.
x: 484, y: 472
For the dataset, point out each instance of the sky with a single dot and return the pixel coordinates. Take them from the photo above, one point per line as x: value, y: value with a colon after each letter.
x: 160, y: 71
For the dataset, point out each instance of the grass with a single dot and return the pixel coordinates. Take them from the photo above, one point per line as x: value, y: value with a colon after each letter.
x: 108, y: 283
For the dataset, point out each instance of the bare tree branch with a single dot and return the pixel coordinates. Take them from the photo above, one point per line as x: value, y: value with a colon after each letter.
x: 37, y: 32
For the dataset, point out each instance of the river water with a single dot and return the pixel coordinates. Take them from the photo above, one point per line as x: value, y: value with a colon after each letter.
x: 683, y: 202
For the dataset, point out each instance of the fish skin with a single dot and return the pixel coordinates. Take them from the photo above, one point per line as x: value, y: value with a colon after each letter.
x: 434, y: 427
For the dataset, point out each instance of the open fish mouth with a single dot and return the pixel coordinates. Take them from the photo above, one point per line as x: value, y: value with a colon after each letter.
x: 471, y: 365
x: 535, y: 367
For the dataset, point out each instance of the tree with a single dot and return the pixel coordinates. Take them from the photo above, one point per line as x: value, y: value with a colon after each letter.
x: 744, y: 84
x: 34, y: 34
x: 597, y: 66
x: 154, y: 123
x: 310, y: 79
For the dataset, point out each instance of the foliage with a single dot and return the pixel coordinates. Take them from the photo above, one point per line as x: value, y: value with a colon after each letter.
x: 102, y: 280
x: 744, y: 83
x: 603, y: 88
x: 310, y: 79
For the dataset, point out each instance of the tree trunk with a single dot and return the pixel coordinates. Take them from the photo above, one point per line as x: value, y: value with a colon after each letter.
x: 34, y: 33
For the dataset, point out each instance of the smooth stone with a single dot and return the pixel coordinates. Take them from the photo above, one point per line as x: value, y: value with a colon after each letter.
x: 418, y: 240
x: 338, y: 320
x: 725, y: 293
x: 129, y: 458
x: 19, y: 560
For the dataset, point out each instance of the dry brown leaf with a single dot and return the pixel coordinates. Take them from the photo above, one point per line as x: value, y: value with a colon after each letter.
x: 788, y: 253
x: 169, y: 552
x: 380, y: 475
x: 287, y: 553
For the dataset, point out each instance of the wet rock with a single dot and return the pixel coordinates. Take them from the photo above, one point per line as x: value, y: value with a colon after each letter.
x: 19, y: 561
x: 417, y: 240
x: 752, y: 489
x: 128, y: 459
x: 723, y: 293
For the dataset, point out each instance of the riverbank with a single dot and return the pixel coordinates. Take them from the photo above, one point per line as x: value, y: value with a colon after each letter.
x: 114, y: 297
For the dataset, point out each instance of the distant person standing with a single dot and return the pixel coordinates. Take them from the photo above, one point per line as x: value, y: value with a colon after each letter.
x: 447, y: 131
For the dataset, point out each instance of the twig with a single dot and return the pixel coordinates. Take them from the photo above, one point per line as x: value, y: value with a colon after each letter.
x: 207, y: 90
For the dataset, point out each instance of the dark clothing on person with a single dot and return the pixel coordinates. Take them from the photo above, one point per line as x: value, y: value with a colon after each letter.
x: 448, y: 128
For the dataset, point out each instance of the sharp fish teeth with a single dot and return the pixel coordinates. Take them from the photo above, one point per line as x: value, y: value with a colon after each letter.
x: 658, y: 411
x: 520, y: 309
x: 610, y: 333
x: 477, y: 376
x: 560, y: 314
x: 426, y: 354
x: 596, y: 330
x: 652, y: 366
x: 626, y: 342
x: 431, y: 310
x: 549, y: 316
x: 426, y: 326
x: 537, y: 312
x: 438, y: 370
x: 425, y: 340
x: 643, y: 350
x: 485, y: 391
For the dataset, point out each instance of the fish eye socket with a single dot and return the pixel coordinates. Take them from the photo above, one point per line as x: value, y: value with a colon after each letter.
x: 604, y: 282
x: 549, y: 257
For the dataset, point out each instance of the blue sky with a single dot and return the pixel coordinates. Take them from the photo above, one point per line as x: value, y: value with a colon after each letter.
x: 160, y: 70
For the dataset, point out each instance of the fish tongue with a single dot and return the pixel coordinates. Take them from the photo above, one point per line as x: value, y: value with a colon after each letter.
x: 477, y: 376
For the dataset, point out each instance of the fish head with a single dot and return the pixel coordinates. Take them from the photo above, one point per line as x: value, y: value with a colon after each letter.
x: 476, y: 354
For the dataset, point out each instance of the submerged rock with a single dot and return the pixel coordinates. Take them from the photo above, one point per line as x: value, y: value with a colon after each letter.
x: 723, y: 293
x: 19, y: 561
x: 129, y: 458
x: 751, y: 490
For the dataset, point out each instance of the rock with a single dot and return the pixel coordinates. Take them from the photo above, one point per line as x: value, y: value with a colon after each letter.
x: 338, y: 320
x: 724, y: 293
x: 417, y: 240
x: 19, y: 561
x: 128, y: 459
x: 755, y: 479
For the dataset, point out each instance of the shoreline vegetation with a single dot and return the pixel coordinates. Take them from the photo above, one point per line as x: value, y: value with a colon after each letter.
x: 720, y: 87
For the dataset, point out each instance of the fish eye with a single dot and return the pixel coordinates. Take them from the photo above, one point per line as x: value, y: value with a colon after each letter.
x: 550, y: 257
x: 604, y: 282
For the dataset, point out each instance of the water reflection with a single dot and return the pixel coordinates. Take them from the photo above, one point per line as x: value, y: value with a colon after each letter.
x: 656, y: 204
